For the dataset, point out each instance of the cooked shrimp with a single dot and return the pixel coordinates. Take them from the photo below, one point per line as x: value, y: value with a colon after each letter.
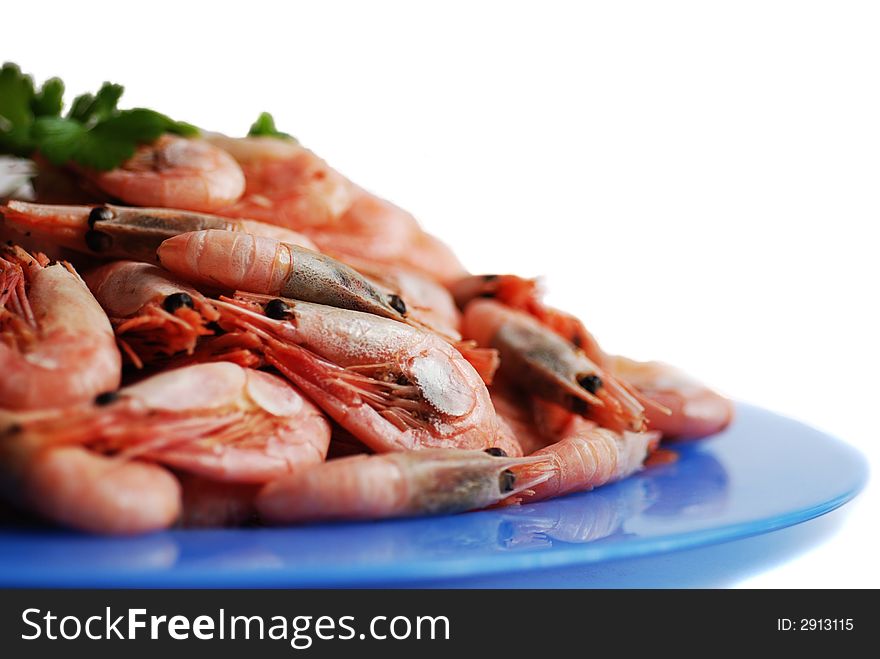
x: 427, y: 254
x: 588, y: 456
x: 429, y: 305
x: 56, y: 344
x: 286, y: 184
x: 548, y: 366
x: 393, y: 386
x: 430, y: 482
x: 175, y: 172
x: 427, y: 301
x: 82, y: 489
x: 289, y: 185
x: 257, y: 264
x: 695, y: 410
x: 121, y: 232
x: 524, y: 295
x: 152, y: 314
x: 217, y: 420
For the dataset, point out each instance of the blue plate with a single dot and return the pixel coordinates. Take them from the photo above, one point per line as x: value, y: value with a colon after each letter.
x: 765, y: 473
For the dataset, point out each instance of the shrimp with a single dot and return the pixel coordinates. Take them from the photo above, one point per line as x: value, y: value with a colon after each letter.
x: 427, y: 301
x: 286, y: 184
x: 589, y: 456
x: 430, y: 482
x: 120, y: 232
x: 265, y: 266
x: 258, y: 264
x: 152, y: 314
x: 289, y: 185
x: 216, y: 420
x: 551, y: 368
x: 696, y: 411
x: 524, y: 295
x: 79, y: 488
x: 426, y: 254
x: 56, y: 344
x: 393, y: 386
x: 175, y: 172
x: 376, y: 229
x: 584, y: 456
x: 674, y: 403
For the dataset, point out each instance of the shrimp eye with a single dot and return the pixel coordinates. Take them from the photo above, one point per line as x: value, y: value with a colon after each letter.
x: 277, y: 309
x: 591, y: 383
x: 106, y: 398
x: 98, y: 241
x: 177, y: 300
x: 99, y: 214
x: 507, y: 480
x: 397, y: 304
x: 496, y: 452
x: 490, y: 277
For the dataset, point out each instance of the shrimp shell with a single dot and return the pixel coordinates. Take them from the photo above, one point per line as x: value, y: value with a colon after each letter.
x: 217, y: 420
x: 430, y: 482
x: 175, y: 172
x: 56, y: 344
x: 392, y: 386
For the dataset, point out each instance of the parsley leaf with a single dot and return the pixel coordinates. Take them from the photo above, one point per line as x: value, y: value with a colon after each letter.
x: 50, y: 99
x: 264, y: 126
x: 16, y: 94
x: 58, y: 138
x: 95, y: 133
x: 91, y: 109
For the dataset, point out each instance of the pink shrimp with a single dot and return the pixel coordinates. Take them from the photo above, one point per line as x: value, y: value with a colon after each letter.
x: 430, y: 482
x: 289, y: 185
x: 393, y: 386
x: 257, y: 264
x: 674, y: 403
x: 265, y: 266
x: 546, y: 365
x: 175, y: 172
x: 217, y: 420
x: 427, y: 301
x: 286, y: 184
x: 588, y: 456
x: 77, y: 487
x: 121, y: 232
x: 425, y: 253
x: 56, y: 344
x: 695, y: 410
x: 524, y: 295
x: 152, y: 314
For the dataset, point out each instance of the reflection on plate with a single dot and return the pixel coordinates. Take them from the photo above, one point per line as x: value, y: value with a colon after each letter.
x: 764, y: 473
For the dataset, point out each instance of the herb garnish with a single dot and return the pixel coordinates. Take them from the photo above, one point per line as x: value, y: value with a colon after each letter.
x: 95, y: 133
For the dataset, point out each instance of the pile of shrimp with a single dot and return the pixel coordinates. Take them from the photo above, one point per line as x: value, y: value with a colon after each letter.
x: 227, y: 331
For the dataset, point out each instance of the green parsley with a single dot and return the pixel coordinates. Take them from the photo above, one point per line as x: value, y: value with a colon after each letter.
x: 95, y: 133
x: 264, y: 126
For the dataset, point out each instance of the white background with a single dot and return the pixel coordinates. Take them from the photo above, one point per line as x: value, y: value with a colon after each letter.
x: 698, y: 180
